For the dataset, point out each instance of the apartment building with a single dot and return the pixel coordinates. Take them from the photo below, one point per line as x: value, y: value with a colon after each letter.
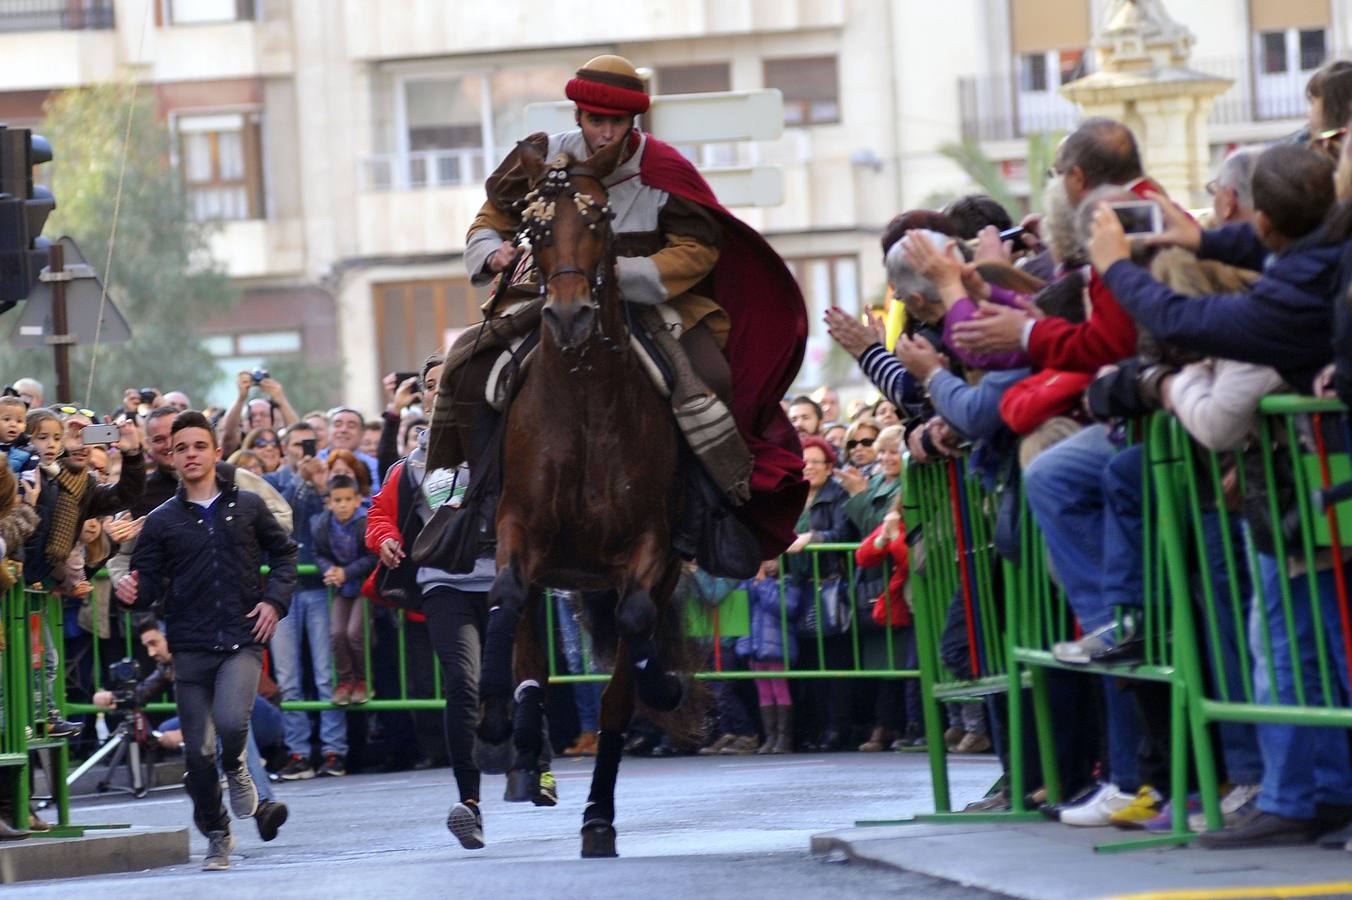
x: 343, y: 144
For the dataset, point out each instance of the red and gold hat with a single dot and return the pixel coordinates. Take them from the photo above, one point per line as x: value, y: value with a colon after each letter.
x: 608, y: 86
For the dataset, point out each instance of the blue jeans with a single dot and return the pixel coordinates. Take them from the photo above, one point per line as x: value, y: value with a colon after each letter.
x: 265, y: 721
x: 1123, y: 585
x: 1302, y: 766
x: 308, y: 620
x: 586, y: 696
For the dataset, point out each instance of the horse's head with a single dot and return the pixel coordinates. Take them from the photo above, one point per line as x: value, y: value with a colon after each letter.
x: 568, y: 220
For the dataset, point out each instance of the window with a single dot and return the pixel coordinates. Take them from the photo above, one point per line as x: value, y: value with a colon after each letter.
x: 1312, y: 49
x: 444, y: 130
x: 202, y: 12
x: 698, y: 78
x: 1033, y: 72
x: 810, y: 88
x: 825, y: 281
x: 247, y: 352
x: 1273, y: 45
x: 219, y: 157
x: 413, y: 318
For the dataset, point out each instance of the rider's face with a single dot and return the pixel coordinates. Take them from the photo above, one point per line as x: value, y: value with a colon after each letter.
x: 601, y: 131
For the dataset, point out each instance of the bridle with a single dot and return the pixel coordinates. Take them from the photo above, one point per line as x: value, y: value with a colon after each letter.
x: 537, y: 211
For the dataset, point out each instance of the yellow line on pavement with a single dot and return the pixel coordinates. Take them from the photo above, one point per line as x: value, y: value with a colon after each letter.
x: 1326, y: 889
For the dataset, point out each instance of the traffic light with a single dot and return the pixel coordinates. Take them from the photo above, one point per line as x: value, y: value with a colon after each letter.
x: 24, y: 209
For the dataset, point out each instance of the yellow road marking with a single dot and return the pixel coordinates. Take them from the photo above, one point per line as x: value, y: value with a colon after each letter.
x: 1326, y: 889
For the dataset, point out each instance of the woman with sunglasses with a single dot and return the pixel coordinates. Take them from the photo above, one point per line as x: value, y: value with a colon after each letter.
x: 266, y: 446
x: 860, y: 451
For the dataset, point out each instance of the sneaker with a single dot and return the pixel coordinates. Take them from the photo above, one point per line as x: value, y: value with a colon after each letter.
x: 361, y: 693
x: 1095, y: 644
x: 973, y: 743
x: 333, y: 765
x: 713, y: 749
x: 60, y: 728
x: 342, y: 695
x: 1238, y: 808
x: 742, y: 745
x: 1143, y: 807
x: 1163, y: 821
x: 271, y: 816
x: 546, y: 791
x: 1095, y: 812
x: 243, y: 793
x: 297, y: 768
x: 467, y: 824
x: 585, y: 745
x: 219, y: 845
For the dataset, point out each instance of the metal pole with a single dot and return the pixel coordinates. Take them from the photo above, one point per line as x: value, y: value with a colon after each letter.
x: 59, y: 339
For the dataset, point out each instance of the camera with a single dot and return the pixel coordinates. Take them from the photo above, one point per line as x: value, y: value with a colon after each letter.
x: 259, y: 375
x: 124, y: 677
x: 147, y: 395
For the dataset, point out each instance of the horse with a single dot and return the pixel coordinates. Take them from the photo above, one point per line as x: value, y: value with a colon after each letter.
x: 590, y: 494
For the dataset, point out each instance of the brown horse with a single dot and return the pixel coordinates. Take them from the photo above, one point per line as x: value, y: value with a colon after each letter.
x: 590, y: 491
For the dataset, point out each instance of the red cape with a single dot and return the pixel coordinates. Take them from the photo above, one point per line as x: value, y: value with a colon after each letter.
x: 764, y: 350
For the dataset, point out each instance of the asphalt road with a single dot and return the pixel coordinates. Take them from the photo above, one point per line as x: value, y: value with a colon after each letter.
x: 735, y: 827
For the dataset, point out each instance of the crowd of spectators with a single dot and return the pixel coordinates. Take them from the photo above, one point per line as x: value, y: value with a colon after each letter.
x: 1025, y: 355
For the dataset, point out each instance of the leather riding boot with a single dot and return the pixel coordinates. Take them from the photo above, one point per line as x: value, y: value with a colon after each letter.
x: 770, y: 723
x: 784, y: 741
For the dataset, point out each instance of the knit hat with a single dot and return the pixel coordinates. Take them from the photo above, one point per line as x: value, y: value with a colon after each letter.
x: 608, y: 86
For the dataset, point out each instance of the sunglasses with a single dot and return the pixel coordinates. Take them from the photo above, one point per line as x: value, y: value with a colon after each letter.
x: 1331, y: 134
x: 265, y: 442
x: 862, y: 442
x: 73, y: 410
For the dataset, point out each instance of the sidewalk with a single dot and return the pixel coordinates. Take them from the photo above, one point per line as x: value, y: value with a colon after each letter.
x: 1047, y: 860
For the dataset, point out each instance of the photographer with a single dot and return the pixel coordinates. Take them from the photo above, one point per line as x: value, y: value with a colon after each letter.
x: 200, y: 552
x: 264, y: 721
x: 269, y: 409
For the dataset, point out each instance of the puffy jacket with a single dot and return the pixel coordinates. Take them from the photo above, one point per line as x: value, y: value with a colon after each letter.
x: 1285, y: 320
x: 208, y: 573
x: 766, y: 640
x: 354, y: 570
x: 392, y: 515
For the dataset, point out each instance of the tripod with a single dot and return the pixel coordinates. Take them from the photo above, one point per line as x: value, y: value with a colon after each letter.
x: 125, y: 746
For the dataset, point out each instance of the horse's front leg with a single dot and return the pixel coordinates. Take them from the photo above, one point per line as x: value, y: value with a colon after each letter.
x: 637, y: 617
x: 507, y: 599
x: 617, y: 709
x: 529, y: 732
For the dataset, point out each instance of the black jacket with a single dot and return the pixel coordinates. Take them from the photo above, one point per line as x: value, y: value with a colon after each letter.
x: 208, y: 573
x: 829, y: 524
x: 354, y: 570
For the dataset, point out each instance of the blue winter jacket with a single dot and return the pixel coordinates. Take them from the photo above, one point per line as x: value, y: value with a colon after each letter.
x: 1284, y: 320
x: 766, y: 641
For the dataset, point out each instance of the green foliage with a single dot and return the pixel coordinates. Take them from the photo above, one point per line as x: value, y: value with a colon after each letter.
x: 161, y: 276
x: 986, y: 174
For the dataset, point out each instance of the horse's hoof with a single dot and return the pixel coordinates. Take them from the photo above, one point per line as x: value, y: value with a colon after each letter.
x: 520, y: 786
x: 598, y: 840
x: 495, y: 725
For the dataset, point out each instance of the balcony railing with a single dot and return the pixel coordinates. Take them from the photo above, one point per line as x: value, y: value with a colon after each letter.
x: 993, y: 108
x: 55, y: 15
x: 424, y: 169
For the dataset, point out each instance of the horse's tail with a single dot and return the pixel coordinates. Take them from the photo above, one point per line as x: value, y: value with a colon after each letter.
x: 685, y: 725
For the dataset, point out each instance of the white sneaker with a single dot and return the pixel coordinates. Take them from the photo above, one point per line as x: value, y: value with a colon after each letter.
x: 1239, y: 804
x: 1096, y: 812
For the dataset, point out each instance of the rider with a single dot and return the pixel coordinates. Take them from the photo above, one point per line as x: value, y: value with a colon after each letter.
x: 743, y: 319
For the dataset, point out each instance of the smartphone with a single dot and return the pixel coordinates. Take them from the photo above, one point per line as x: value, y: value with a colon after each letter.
x: 1010, y: 234
x: 1139, y: 216
x: 100, y: 434
x: 401, y: 377
x: 307, y: 447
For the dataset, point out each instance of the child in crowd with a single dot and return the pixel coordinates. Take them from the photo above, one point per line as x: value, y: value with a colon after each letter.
x: 13, y: 440
x: 339, y: 535
x: 773, y: 621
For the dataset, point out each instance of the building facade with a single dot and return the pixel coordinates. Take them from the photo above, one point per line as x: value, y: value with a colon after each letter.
x: 343, y: 144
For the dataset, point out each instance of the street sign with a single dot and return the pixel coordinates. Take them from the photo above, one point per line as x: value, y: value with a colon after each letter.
x: 83, y: 289
x: 718, y: 117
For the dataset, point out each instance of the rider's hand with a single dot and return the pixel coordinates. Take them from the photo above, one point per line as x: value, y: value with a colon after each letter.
x: 502, y: 257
